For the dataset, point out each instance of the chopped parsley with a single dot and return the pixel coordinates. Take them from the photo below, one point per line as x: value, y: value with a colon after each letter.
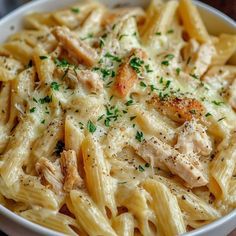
x: 112, y: 113
x: 42, y: 122
x: 59, y: 147
x: 43, y: 57
x: 142, y: 84
x: 35, y: 100
x: 136, y: 63
x: 192, y: 112
x: 161, y: 80
x: 140, y: 168
x: 139, y: 136
x: 171, y: 31
x: 194, y: 76
x: 217, y: 103
x: 153, y: 87
x: 75, y: 10
x: 105, y: 72
x: 55, y: 86
x: 100, y: 117
x: 32, y: 109
x: 129, y: 103
x: 89, y: 36
x: 169, y: 56
x: 122, y: 36
x: 158, y: 33
x: 101, y: 43
x: 221, y: 119
x: 91, y: 127
x: 148, y: 70
x: 165, y: 63
x: 61, y: 63
x: 46, y: 99
x: 168, y: 82
x: 114, y: 58
x: 132, y: 118
x: 147, y: 165
x: 208, y: 114
x: 178, y: 71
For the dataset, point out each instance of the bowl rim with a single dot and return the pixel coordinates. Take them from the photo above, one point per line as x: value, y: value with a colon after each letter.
x: 13, y: 217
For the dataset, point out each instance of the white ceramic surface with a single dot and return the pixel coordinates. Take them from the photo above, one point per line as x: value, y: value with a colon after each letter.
x: 216, y: 23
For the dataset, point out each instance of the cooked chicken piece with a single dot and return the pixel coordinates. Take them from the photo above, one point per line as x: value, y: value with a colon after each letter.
x: 158, y: 154
x: 198, y: 57
x: 192, y: 138
x: 127, y: 74
x: 121, y: 14
x: 89, y: 79
x: 178, y: 109
x: 69, y: 169
x: 50, y: 174
x: 75, y: 46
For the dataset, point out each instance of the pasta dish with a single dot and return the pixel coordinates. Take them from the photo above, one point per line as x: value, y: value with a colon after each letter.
x: 118, y: 122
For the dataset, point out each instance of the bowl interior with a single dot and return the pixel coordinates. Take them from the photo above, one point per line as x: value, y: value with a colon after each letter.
x: 216, y: 23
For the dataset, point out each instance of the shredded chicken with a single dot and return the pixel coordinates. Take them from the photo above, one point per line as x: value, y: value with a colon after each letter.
x: 50, y: 174
x: 198, y: 57
x: 89, y: 79
x: 75, y: 46
x: 192, y: 137
x: 158, y: 154
x: 69, y: 169
x: 178, y: 109
x: 127, y: 76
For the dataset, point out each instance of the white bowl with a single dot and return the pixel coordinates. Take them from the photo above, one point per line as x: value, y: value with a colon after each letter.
x: 216, y: 23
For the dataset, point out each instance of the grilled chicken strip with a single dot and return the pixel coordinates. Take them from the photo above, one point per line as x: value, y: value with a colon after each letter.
x: 158, y: 154
x: 127, y: 76
x: 178, y: 109
x: 75, y: 46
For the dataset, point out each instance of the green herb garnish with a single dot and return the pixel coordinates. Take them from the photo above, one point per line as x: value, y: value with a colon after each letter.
x: 75, y: 10
x: 46, y: 99
x: 55, y: 86
x: 139, y: 136
x: 32, y: 109
x: 43, y: 57
x: 136, y: 63
x: 91, y: 127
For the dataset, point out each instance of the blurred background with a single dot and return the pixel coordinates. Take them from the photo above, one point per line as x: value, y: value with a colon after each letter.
x: 226, y: 6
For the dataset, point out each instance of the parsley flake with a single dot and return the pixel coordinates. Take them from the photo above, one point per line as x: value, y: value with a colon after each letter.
x: 139, y: 136
x: 142, y: 84
x: 129, y: 103
x: 165, y: 63
x: 43, y: 57
x: 55, y: 86
x: 208, y: 114
x: 136, y: 63
x: 140, y: 168
x: 46, y: 99
x: 32, y: 109
x: 91, y: 127
x: 61, y: 63
x: 75, y: 10
x: 114, y: 58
